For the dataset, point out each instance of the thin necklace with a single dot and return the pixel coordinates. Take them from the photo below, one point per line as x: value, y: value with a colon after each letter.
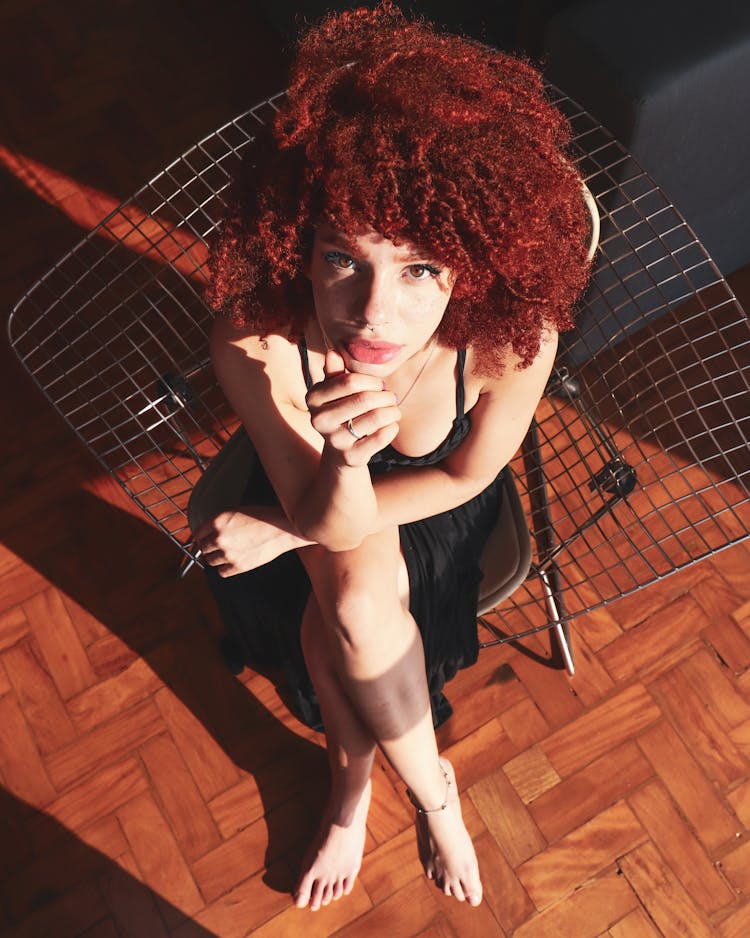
x: 400, y: 400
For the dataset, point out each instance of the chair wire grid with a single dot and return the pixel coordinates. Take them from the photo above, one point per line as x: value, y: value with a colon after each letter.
x: 649, y: 393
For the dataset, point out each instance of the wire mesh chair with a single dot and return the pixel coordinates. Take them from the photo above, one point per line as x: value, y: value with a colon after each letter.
x: 636, y: 464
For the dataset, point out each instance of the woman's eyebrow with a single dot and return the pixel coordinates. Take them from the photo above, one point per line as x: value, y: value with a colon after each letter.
x: 339, y: 241
x: 344, y: 244
x: 416, y: 255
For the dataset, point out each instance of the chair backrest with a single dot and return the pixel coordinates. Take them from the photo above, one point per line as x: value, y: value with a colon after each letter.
x: 643, y: 472
x: 115, y: 334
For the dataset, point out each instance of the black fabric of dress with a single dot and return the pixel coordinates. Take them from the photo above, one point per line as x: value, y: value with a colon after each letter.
x: 263, y: 608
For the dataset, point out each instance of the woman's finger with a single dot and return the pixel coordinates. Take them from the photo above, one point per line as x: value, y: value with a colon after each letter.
x: 205, y: 543
x: 361, y: 451
x: 338, y: 386
x: 333, y: 364
x: 367, y: 423
x: 213, y: 557
x: 328, y: 418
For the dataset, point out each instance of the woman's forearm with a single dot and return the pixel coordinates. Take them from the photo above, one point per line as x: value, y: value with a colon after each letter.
x: 339, y: 509
x: 411, y: 494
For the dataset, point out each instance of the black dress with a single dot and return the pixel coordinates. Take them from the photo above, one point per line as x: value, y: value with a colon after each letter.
x: 263, y: 608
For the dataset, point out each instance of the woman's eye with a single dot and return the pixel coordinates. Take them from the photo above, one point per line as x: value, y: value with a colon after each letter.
x: 339, y: 260
x: 423, y: 271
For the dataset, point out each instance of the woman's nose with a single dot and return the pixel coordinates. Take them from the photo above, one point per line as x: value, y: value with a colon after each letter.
x: 375, y: 302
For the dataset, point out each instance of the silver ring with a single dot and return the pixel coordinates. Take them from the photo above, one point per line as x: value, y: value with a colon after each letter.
x: 350, y: 428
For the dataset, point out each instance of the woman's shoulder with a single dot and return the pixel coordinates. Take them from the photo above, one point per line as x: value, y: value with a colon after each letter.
x: 269, y: 347
x: 241, y: 353
x: 507, y: 368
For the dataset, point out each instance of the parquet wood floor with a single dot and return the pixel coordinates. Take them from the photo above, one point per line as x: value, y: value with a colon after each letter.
x: 145, y: 791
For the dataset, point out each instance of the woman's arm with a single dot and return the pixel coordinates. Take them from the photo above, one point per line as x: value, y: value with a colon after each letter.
x: 324, y: 489
x: 336, y: 504
x: 247, y: 537
x: 499, y: 422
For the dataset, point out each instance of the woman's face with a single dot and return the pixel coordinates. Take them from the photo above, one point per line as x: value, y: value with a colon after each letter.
x: 377, y: 304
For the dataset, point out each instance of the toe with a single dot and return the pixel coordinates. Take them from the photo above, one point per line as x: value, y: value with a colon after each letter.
x: 327, y: 895
x: 316, y: 895
x: 302, y: 894
x: 473, y: 892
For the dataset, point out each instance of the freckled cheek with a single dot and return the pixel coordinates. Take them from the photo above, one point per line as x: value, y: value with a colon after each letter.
x: 424, y: 312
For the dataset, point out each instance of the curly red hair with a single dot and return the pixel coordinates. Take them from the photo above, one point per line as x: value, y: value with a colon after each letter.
x: 426, y: 138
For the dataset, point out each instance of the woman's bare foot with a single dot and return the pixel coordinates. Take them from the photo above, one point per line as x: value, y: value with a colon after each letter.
x: 445, y: 848
x: 334, y: 857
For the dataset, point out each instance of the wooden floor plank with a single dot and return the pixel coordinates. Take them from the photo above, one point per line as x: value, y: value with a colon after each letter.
x: 686, y: 858
x: 409, y: 912
x: 507, y: 818
x: 737, y: 925
x: 683, y: 704
x: 664, y: 898
x: 531, y: 774
x: 583, y: 795
x: 49, y: 720
x: 736, y: 866
x: 587, y: 913
x: 503, y: 892
x: 688, y: 784
x: 92, y: 799
x: 647, y: 643
x: 134, y: 910
x: 21, y: 765
x: 740, y: 802
x: 157, y: 853
x: 581, y: 855
x: 607, y: 725
x: 179, y: 798
x: 635, y: 925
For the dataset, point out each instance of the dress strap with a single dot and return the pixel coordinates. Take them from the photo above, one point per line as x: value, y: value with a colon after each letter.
x: 460, y: 384
x: 302, y: 346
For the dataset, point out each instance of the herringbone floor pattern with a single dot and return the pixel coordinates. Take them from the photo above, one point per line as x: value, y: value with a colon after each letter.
x: 146, y: 792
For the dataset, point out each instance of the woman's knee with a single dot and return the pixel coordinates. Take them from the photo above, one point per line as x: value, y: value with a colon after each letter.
x: 364, y: 616
x: 359, y: 596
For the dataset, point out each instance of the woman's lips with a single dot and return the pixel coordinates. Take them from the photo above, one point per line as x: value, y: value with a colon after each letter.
x: 372, y: 353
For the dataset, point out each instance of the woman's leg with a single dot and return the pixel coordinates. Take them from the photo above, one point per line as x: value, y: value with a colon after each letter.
x: 376, y: 653
x: 333, y: 859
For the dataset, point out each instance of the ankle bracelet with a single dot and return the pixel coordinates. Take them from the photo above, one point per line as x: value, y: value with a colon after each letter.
x: 443, y: 806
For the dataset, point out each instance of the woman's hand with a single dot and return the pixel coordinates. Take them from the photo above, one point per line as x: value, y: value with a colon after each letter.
x: 245, y: 538
x: 345, y: 399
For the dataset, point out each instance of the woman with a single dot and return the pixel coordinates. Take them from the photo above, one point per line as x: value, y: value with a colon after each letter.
x: 393, y: 277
